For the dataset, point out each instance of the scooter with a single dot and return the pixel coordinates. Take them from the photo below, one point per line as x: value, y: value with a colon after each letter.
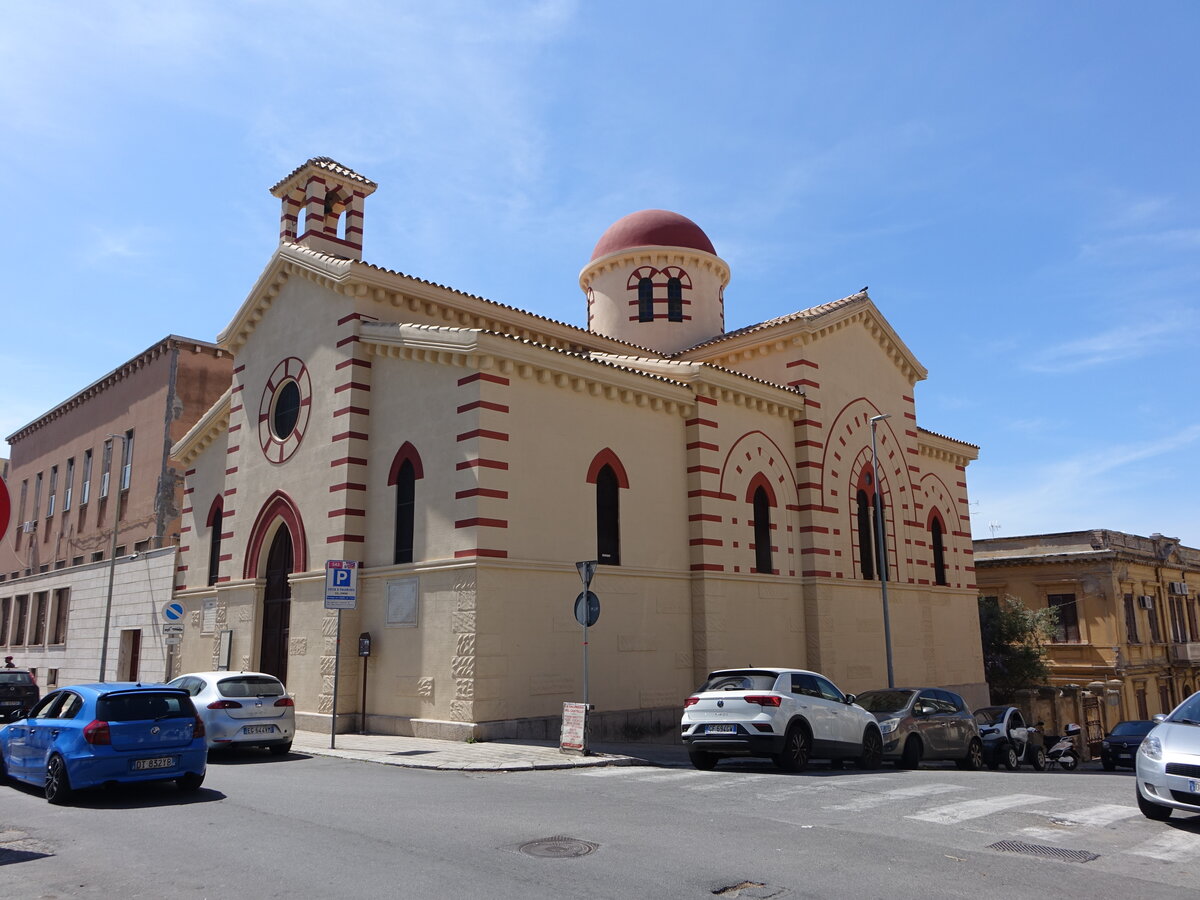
x: 1063, y: 753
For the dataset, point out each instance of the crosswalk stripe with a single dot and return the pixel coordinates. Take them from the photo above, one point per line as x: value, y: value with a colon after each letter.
x: 870, y: 801
x: 975, y: 809
x: 1105, y: 814
x: 1171, y: 846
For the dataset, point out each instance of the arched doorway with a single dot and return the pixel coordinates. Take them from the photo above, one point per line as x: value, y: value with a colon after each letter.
x: 277, y: 606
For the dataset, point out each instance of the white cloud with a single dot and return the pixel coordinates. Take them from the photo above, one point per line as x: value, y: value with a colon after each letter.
x: 1163, y: 328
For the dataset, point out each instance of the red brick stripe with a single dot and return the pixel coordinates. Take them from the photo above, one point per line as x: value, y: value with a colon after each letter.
x: 482, y: 376
x: 483, y: 404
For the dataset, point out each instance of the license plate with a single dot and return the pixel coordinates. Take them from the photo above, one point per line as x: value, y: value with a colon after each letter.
x: 10, y: 702
x: 159, y: 762
x: 259, y: 729
x: 720, y: 729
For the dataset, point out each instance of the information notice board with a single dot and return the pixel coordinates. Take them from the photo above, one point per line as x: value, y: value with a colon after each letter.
x: 573, y: 738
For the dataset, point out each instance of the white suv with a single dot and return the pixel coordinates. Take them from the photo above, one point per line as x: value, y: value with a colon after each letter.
x: 790, y: 715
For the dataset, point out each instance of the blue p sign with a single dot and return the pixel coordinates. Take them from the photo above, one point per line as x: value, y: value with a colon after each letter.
x: 341, y: 577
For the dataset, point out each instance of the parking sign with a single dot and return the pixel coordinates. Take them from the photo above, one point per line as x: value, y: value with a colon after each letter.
x: 341, y: 584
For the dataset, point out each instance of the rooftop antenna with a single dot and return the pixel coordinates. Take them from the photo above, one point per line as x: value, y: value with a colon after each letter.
x: 993, y: 527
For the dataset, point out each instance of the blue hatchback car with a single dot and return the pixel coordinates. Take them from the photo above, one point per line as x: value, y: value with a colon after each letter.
x: 92, y: 734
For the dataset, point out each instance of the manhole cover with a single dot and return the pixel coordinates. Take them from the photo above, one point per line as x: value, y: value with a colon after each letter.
x: 557, y: 847
x: 1044, y: 851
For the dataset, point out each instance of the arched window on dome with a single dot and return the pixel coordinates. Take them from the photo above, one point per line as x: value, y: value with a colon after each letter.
x: 674, y: 300
x: 936, y: 532
x: 406, y: 469
x: 215, y: 515
x: 645, y: 300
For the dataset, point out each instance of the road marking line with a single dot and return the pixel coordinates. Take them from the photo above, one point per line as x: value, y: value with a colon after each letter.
x: 1173, y: 846
x: 975, y: 809
x: 870, y: 801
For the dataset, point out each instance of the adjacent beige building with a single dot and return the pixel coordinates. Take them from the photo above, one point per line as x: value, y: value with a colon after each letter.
x: 1128, y: 641
x: 467, y: 454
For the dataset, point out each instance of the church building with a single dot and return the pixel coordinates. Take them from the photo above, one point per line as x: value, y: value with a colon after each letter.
x: 731, y: 485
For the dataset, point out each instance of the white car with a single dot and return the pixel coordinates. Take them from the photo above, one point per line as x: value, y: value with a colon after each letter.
x: 1168, y: 763
x: 789, y: 715
x: 242, y: 709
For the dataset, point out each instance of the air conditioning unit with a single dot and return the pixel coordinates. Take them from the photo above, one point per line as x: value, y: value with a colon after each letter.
x: 1177, y: 587
x: 28, y: 527
x: 1145, y: 601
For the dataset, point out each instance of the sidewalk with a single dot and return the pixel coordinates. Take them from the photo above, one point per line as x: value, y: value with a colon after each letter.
x: 483, y: 756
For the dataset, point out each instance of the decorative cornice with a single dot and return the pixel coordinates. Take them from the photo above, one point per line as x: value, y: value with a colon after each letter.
x: 210, y: 426
x: 656, y: 256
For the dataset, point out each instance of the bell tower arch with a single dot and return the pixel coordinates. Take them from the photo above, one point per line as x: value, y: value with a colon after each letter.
x: 322, y: 207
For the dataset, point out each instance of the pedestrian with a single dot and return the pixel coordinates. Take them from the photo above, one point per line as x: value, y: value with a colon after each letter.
x: 8, y: 663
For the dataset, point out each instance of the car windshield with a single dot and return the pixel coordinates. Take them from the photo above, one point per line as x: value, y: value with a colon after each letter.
x: 1125, y: 729
x: 990, y: 715
x: 739, y: 681
x: 142, y: 705
x: 883, y: 701
x: 1188, y: 711
x: 250, y: 686
x: 15, y: 677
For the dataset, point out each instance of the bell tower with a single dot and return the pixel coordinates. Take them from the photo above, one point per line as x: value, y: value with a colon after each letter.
x: 323, y: 207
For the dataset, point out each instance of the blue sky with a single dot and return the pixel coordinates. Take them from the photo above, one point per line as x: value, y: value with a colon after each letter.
x: 1016, y: 182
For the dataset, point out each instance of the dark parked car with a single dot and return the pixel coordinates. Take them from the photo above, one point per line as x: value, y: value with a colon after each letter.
x: 924, y: 723
x: 1121, y: 744
x: 17, y: 690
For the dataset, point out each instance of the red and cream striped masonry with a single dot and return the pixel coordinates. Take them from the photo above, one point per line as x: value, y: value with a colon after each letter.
x: 809, y: 444
x: 483, y: 436
x: 348, y: 468
x: 704, y: 483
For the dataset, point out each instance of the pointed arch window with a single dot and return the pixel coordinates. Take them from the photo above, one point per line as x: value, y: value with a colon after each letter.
x: 674, y: 300
x: 216, y: 514
x: 608, y: 475
x: 406, y: 470
x: 762, y: 532
x: 936, y: 532
x: 866, y: 538
x: 645, y: 300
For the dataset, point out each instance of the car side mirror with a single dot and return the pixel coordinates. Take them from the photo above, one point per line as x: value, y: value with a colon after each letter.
x: 1161, y: 717
x: 850, y: 698
x: 19, y: 713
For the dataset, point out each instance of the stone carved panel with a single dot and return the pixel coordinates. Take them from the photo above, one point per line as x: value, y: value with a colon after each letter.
x: 463, y: 622
x: 465, y: 644
x: 297, y: 646
x: 329, y: 626
x: 463, y: 666
x: 461, y: 710
x: 245, y: 613
x: 464, y: 689
x: 425, y: 688
x: 325, y: 704
x: 327, y: 667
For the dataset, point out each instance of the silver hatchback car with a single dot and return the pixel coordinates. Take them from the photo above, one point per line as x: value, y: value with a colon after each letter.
x: 242, y: 709
x: 925, y: 723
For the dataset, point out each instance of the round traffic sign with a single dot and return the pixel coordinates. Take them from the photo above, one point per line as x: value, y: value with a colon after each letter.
x: 587, y: 609
x: 173, y: 611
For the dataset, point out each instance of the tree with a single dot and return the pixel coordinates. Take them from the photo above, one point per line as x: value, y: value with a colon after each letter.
x: 1014, y: 639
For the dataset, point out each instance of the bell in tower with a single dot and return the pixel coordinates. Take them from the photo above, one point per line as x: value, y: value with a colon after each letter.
x: 323, y: 207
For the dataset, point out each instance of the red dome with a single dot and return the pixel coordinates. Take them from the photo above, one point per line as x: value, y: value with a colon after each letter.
x: 652, y: 228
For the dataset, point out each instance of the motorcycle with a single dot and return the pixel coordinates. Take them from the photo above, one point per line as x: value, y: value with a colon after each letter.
x: 1063, y: 753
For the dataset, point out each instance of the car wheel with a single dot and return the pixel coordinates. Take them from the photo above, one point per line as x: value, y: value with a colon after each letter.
x: 1008, y: 756
x: 281, y: 749
x: 911, y: 757
x: 794, y: 757
x: 1109, y: 765
x: 973, y: 761
x: 189, y: 782
x: 1068, y: 762
x: 58, y: 786
x: 1152, y: 810
x: 703, y: 760
x: 872, y: 749
x: 1039, y: 759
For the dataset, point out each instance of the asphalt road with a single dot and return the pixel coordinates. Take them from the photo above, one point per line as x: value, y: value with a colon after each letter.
x: 321, y: 827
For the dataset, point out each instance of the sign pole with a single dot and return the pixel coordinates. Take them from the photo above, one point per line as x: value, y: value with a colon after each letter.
x: 337, y: 657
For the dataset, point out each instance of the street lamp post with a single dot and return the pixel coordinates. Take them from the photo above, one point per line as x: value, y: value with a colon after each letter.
x: 882, y: 554
x: 112, y: 556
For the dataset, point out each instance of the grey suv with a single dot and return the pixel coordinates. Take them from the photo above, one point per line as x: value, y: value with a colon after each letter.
x: 925, y: 723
